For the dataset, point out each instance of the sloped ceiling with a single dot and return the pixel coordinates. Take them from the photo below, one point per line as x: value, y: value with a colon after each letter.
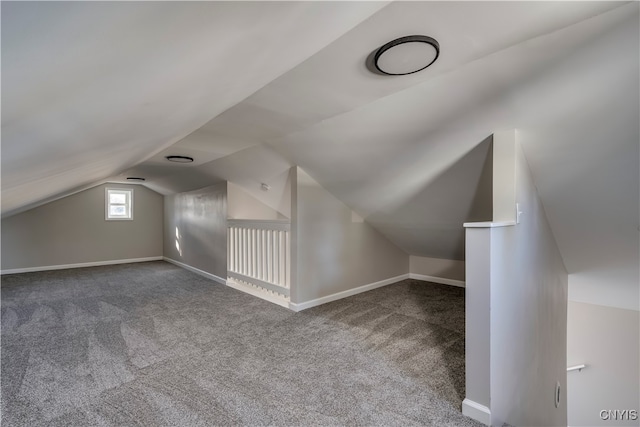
x: 91, y: 88
x: 564, y: 74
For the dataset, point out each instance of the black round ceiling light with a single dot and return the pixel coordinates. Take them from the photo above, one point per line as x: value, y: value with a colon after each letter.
x: 135, y: 178
x: 405, y: 55
x: 180, y: 159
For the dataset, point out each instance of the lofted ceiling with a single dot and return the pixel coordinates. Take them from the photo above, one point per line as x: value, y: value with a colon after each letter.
x: 250, y: 89
x: 91, y: 88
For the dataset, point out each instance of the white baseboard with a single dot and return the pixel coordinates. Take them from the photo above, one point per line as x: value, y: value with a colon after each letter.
x: 197, y: 271
x: 80, y: 265
x: 256, y: 293
x: 476, y: 411
x: 231, y: 283
x: 440, y: 280
x: 344, y: 294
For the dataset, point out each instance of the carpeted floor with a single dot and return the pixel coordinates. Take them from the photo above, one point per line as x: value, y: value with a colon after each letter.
x: 151, y: 344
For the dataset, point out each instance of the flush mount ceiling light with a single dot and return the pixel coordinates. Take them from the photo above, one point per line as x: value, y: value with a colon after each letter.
x: 406, y: 55
x: 135, y: 178
x: 180, y: 159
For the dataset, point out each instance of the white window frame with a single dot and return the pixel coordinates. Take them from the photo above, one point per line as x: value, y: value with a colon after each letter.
x: 128, y: 204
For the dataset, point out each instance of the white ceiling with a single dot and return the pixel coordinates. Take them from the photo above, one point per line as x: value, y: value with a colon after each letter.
x: 336, y: 81
x: 91, y: 88
x: 565, y: 74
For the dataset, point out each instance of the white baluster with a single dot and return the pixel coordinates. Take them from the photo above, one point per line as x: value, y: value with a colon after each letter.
x: 257, y: 275
x: 276, y: 255
x: 229, y: 247
x: 244, y: 251
x: 262, y: 254
x: 248, y: 273
x: 253, y: 254
x: 250, y: 252
x: 276, y: 252
x: 281, y: 257
x: 237, y: 255
x: 257, y: 251
x: 269, y: 257
x: 286, y: 259
x: 235, y: 249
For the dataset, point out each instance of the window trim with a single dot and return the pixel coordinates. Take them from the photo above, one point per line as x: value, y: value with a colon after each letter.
x: 107, y: 204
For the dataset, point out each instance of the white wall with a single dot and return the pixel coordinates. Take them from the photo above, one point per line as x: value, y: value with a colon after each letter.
x: 249, y: 169
x: 516, y: 306
x: 606, y: 340
x: 195, y: 229
x: 73, y: 230
x: 242, y: 205
x: 436, y: 267
x: 581, y: 139
x: 478, y: 322
x: 428, y: 222
x: 528, y: 315
x: 336, y: 251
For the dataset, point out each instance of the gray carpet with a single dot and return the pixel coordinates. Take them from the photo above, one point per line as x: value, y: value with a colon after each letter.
x: 153, y: 345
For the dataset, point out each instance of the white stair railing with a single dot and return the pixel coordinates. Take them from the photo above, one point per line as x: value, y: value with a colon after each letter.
x: 259, y: 253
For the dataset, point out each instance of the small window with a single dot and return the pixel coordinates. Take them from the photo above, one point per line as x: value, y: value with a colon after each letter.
x: 119, y: 204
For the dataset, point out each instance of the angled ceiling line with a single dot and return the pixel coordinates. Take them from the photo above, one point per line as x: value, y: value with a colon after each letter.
x: 441, y: 74
x: 121, y: 163
x: 184, y: 135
